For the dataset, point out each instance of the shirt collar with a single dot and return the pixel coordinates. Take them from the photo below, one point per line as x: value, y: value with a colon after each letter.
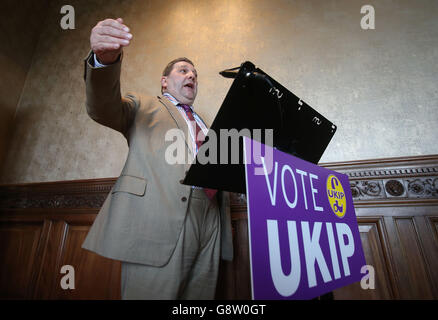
x: 173, y: 100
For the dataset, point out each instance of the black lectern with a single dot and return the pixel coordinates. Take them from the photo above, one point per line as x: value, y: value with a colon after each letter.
x: 256, y: 101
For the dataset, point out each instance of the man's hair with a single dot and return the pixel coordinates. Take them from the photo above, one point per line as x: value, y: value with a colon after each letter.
x: 170, y: 65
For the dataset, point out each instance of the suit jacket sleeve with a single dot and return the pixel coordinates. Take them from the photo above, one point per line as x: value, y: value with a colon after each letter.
x: 104, y: 102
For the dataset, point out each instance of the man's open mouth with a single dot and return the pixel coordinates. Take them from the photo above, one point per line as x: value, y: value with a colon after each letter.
x: 189, y: 85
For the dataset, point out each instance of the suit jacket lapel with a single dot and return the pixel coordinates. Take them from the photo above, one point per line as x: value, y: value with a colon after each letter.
x: 180, y: 123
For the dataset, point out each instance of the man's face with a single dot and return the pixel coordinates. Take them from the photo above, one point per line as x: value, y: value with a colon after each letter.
x: 182, y: 82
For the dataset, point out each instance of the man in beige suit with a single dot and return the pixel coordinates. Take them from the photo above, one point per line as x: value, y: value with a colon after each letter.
x: 169, y: 236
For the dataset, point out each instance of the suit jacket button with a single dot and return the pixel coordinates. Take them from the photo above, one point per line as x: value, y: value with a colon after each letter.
x: 183, y: 199
x: 181, y: 181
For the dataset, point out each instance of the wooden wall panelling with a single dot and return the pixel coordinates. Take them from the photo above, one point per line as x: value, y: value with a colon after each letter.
x: 411, y: 246
x: 427, y: 233
x: 96, y: 277
x: 234, y: 277
x: 226, y: 283
x: 64, y: 228
x: 47, y: 275
x: 21, y: 247
x: 375, y: 246
x: 414, y: 277
x: 66, y: 210
x: 242, y: 275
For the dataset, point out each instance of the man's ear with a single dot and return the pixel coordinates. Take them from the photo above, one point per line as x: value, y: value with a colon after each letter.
x: 164, y: 82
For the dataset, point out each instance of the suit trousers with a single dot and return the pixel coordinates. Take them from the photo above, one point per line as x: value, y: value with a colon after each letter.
x: 192, y: 270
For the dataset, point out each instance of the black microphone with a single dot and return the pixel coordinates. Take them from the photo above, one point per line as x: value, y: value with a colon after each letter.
x: 230, y: 73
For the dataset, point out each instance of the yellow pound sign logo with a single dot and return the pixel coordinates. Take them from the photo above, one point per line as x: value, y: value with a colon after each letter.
x: 336, y: 196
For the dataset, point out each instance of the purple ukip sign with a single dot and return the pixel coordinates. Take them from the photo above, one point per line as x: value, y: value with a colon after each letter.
x: 303, y: 232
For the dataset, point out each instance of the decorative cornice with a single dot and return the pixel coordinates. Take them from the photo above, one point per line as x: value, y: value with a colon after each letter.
x: 393, y: 172
x: 391, y: 179
x: 413, y: 188
x: 64, y: 194
x: 53, y: 201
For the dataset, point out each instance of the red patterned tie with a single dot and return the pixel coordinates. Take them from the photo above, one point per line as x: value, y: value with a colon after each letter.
x: 200, y: 137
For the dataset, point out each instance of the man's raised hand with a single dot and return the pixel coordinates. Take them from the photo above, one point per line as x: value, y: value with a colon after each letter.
x: 108, y: 38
